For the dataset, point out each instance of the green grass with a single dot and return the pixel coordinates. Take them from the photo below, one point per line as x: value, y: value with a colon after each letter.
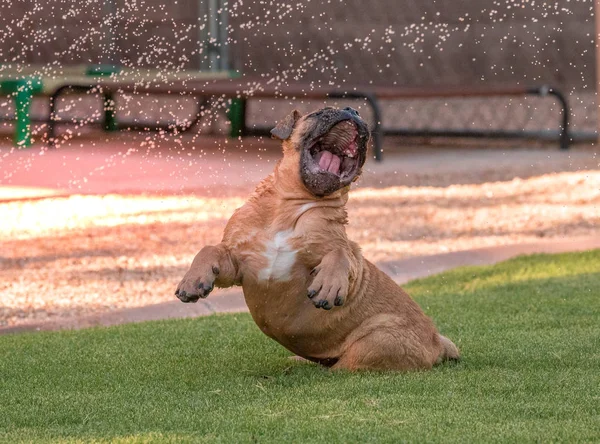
x: 528, y: 330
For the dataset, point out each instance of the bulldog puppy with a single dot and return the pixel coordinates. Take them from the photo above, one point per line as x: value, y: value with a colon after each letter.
x: 306, y: 284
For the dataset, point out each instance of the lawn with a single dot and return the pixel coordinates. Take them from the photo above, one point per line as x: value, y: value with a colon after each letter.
x: 528, y: 329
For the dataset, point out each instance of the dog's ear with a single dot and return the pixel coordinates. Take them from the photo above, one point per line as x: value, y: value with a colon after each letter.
x: 284, y: 128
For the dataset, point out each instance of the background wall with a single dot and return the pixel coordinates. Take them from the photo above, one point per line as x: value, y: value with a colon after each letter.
x: 419, y: 42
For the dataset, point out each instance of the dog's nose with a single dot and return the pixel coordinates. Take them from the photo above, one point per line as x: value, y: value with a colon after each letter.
x: 351, y: 110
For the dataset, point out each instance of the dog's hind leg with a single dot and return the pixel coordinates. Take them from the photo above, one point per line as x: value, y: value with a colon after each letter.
x: 450, y: 351
x: 385, y: 342
x: 212, y: 266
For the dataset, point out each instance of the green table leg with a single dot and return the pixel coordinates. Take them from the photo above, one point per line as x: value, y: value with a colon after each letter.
x: 237, y: 117
x: 110, y: 113
x: 23, y: 98
x: 110, y: 106
x: 22, y: 89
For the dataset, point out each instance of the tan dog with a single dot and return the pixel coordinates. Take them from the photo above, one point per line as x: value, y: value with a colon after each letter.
x: 307, y: 286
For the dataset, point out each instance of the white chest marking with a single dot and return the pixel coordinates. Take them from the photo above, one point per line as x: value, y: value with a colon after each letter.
x: 280, y: 258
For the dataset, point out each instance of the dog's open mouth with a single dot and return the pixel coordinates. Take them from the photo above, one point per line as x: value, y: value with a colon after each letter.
x: 337, y: 151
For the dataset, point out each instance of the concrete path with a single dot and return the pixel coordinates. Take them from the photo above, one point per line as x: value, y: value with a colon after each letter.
x: 209, y: 165
x: 232, y: 300
x: 125, y: 163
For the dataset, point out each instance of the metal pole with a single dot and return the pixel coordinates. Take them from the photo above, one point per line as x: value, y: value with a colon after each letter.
x: 203, y: 35
x: 597, y: 14
x: 110, y: 15
x: 213, y: 32
x: 224, y: 36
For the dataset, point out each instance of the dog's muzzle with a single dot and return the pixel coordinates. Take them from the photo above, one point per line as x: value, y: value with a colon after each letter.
x: 335, y: 154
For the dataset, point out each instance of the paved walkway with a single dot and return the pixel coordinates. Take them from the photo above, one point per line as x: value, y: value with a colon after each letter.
x: 120, y: 165
x: 213, y: 165
x: 207, y: 165
x: 232, y: 300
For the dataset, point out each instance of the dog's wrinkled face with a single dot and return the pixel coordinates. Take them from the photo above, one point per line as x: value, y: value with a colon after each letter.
x: 332, y: 144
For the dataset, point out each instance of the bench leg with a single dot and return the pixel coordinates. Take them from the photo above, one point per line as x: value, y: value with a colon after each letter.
x: 23, y: 98
x: 565, y: 137
x: 110, y: 112
x: 237, y: 117
x: 201, y: 105
x: 377, y: 131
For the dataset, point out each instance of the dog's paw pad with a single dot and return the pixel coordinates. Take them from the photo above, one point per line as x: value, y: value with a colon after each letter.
x: 205, y: 289
x: 328, y: 293
x: 184, y: 296
x: 192, y: 288
x: 323, y: 304
x: 312, y: 293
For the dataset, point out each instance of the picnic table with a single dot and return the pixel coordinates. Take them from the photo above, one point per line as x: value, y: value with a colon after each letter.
x: 22, y: 84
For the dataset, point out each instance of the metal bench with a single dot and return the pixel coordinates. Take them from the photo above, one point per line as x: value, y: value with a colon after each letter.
x: 242, y: 90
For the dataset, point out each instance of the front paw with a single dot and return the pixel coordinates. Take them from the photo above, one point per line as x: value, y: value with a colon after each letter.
x: 328, y: 289
x: 197, y: 284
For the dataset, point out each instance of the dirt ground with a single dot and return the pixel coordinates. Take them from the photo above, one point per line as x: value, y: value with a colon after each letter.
x: 77, y: 254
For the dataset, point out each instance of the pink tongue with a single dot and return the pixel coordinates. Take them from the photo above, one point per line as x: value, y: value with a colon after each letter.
x: 329, y: 162
x: 325, y: 159
x: 334, y: 166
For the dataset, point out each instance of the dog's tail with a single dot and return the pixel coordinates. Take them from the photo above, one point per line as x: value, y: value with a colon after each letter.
x: 449, y: 350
